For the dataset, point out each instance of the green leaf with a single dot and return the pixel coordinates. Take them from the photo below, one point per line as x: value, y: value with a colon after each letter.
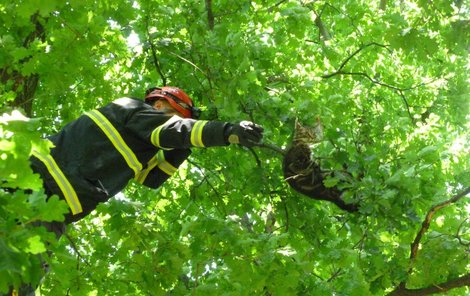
x: 331, y: 182
x: 20, y: 53
x: 52, y: 210
x: 35, y: 245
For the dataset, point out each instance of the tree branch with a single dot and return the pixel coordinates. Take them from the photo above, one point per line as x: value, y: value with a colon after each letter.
x: 210, y: 14
x: 323, y: 31
x: 154, y: 54
x: 286, y: 212
x: 270, y: 9
x: 351, y: 20
x: 335, y: 275
x: 399, y: 90
x: 457, y: 235
x: 191, y: 63
x: 75, y: 249
x: 25, y: 86
x: 459, y: 282
x: 258, y: 161
x: 343, y: 64
x: 205, y: 178
x: 401, y: 290
x: 321, y: 26
x: 383, y: 4
x: 156, y: 62
x: 272, y: 147
x: 402, y: 95
x: 427, y: 222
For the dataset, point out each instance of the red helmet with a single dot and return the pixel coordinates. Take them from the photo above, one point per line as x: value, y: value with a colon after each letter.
x: 177, y: 98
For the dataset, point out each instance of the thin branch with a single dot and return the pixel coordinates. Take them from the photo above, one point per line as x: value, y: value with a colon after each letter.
x: 156, y: 62
x: 270, y: 9
x: 270, y: 222
x: 73, y: 30
x: 258, y: 161
x: 189, y: 62
x: 317, y: 276
x: 245, y: 222
x: 401, y: 289
x: 399, y: 90
x: 402, y: 95
x: 343, y: 64
x: 75, y: 249
x: 351, y: 20
x: 154, y: 54
x: 206, y: 179
x: 272, y: 147
x: 457, y: 235
x: 361, y: 241
x: 196, y: 284
x: 335, y: 275
x: 427, y: 222
x: 286, y: 211
x: 395, y: 88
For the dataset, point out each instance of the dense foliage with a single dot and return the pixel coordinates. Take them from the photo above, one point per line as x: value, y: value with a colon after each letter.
x: 389, y: 80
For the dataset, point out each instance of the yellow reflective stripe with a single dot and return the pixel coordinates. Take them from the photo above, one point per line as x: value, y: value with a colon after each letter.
x: 167, y: 167
x: 155, y: 137
x: 157, y: 160
x: 150, y: 166
x: 67, y: 190
x: 196, y: 133
x: 113, y: 135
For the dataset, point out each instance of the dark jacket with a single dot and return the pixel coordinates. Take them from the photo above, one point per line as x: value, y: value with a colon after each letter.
x: 96, y: 155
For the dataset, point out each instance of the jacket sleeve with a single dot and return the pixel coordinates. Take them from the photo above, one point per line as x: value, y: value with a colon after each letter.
x: 174, y: 132
x: 162, y: 166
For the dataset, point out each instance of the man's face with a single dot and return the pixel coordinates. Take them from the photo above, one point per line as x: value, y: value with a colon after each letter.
x: 164, y: 106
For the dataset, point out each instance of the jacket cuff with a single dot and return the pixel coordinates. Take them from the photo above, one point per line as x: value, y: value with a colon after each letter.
x: 214, y: 133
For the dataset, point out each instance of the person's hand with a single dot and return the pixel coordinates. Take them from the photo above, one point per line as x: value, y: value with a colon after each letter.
x: 245, y: 133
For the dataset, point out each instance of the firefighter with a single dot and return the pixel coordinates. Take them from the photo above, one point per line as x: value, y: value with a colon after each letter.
x: 95, y: 156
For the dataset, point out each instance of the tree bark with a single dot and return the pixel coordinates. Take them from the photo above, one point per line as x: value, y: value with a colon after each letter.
x: 321, y: 26
x: 210, y: 14
x: 24, y: 86
x: 462, y: 281
x: 383, y: 4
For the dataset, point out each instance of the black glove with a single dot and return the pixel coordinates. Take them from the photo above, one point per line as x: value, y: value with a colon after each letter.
x: 245, y: 133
